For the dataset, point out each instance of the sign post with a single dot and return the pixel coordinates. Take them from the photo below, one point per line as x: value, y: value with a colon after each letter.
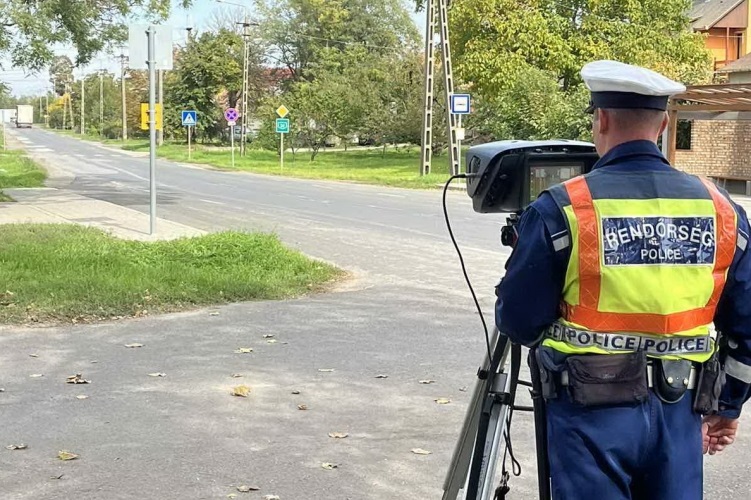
x: 460, y: 105
x: 190, y: 119
x: 282, y: 127
x: 231, y: 115
x: 145, y: 53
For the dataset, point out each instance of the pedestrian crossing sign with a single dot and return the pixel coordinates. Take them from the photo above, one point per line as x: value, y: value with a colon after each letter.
x: 189, y: 118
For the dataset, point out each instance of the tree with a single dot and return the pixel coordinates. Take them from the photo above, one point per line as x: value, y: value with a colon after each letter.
x: 208, y: 77
x: 29, y: 30
x: 522, y: 58
x: 299, y: 33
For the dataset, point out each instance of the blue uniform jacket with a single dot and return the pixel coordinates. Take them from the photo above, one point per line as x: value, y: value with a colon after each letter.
x: 530, y: 292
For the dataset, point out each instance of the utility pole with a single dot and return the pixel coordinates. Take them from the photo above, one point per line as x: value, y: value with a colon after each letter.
x: 246, y: 85
x: 160, y: 132
x: 83, y: 104
x: 47, y: 108
x: 65, y: 104
x: 439, y: 8
x: 122, y: 86
x: 101, y: 101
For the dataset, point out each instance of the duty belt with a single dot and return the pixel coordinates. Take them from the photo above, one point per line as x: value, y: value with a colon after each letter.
x: 690, y: 382
x: 656, y: 345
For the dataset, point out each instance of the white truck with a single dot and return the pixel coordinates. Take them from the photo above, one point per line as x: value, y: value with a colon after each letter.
x: 24, y: 115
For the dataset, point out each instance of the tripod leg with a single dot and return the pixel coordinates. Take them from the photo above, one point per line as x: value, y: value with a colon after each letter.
x: 541, y: 429
x: 457, y: 474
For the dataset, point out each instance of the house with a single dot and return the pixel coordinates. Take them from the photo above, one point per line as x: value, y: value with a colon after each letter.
x: 724, y: 23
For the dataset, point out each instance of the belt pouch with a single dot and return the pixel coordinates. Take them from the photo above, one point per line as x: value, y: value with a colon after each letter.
x: 671, y: 379
x: 608, y: 379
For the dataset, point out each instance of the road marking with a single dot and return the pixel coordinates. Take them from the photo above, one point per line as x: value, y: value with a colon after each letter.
x: 392, y: 195
x: 213, y: 202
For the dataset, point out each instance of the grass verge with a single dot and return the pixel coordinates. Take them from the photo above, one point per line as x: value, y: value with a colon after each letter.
x: 69, y: 273
x: 16, y: 170
x: 398, y: 168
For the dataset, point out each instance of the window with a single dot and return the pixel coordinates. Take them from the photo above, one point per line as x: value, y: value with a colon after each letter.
x: 683, y: 134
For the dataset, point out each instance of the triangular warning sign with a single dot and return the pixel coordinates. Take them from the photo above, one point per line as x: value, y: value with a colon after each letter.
x: 188, y: 119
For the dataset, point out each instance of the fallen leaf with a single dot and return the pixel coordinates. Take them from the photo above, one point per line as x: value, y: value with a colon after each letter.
x: 232, y: 495
x: 17, y: 447
x: 329, y: 466
x: 420, y: 451
x: 245, y: 488
x: 285, y: 343
x: 214, y: 313
x: 295, y: 392
x: 57, y: 477
x: 338, y: 435
x: 34, y: 355
x: 157, y: 374
x: 443, y: 401
x: 271, y: 341
x: 241, y: 391
x: 381, y: 376
x: 325, y: 369
x: 133, y: 345
x: 82, y: 396
x: 36, y: 375
x: 77, y: 379
x: 66, y: 455
x: 2, y: 389
x: 268, y: 336
x: 236, y: 375
x: 463, y: 389
x: 427, y: 381
x: 302, y: 407
x: 95, y: 361
x: 243, y: 350
x: 270, y: 497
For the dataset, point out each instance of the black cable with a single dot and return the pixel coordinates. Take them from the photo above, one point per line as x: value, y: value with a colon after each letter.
x: 461, y: 260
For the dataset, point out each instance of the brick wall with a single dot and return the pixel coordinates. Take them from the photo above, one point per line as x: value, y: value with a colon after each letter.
x: 720, y: 148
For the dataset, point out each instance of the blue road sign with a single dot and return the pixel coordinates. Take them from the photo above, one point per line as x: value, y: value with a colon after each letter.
x: 460, y: 104
x: 282, y: 125
x: 189, y: 118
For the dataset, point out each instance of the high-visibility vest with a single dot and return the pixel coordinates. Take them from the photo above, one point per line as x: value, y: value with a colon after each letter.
x: 650, y: 253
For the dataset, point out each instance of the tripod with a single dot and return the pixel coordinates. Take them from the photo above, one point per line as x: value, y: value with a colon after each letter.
x: 475, y: 460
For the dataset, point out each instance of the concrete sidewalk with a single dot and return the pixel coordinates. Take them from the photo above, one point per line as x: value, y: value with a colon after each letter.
x: 54, y: 206
x: 47, y: 205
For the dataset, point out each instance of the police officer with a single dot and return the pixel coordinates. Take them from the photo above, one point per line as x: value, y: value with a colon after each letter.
x: 616, y: 280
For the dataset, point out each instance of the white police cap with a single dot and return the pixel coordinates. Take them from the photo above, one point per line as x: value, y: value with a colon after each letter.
x: 617, y: 85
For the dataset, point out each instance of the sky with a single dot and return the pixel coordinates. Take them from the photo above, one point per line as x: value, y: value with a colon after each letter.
x: 200, y: 15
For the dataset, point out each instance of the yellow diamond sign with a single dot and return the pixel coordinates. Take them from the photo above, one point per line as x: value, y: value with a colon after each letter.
x: 282, y: 111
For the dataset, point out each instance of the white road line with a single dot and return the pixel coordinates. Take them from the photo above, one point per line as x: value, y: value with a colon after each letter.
x: 213, y: 202
x: 391, y: 195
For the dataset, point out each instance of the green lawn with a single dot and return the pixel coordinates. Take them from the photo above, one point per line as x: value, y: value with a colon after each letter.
x: 69, y: 273
x: 16, y: 170
x: 394, y: 168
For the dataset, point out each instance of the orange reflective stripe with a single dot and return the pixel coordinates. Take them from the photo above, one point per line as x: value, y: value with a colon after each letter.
x: 589, y: 242
x: 726, y: 240
x: 587, y: 313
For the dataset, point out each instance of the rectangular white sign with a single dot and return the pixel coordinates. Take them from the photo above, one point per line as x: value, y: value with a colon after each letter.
x: 138, y: 47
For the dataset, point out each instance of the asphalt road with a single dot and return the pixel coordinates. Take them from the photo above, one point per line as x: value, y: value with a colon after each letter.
x: 406, y: 315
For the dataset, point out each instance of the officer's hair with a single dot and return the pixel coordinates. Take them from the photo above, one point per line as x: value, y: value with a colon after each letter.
x: 629, y: 119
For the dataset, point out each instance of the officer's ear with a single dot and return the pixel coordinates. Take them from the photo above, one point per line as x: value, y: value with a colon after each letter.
x: 665, y: 122
x: 602, y: 121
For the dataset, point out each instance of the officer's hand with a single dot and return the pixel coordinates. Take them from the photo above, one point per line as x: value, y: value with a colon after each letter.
x: 718, y: 432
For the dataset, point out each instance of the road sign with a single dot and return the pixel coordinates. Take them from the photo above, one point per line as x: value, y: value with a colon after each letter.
x: 282, y: 111
x: 231, y: 123
x: 231, y: 115
x: 138, y: 48
x: 189, y: 118
x: 145, y: 116
x: 460, y: 104
x: 282, y: 125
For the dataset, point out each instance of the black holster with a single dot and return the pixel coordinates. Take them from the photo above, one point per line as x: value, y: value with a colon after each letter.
x: 709, y: 385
